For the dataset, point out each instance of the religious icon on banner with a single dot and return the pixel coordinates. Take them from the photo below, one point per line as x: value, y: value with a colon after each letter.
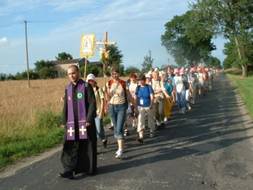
x: 88, y: 45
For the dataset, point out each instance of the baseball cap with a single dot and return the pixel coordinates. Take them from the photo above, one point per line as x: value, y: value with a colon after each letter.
x: 91, y: 77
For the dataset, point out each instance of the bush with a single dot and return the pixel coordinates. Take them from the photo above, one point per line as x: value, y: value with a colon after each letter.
x: 47, y: 119
x: 45, y: 133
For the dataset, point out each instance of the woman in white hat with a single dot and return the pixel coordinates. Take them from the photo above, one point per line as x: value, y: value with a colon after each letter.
x: 99, y: 95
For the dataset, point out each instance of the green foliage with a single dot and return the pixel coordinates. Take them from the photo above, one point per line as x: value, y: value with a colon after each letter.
x: 106, y: 120
x: 233, y: 19
x: 114, y: 59
x: 47, y: 119
x: 64, y: 56
x: 245, y: 87
x: 147, y: 63
x: 45, y: 134
x: 188, y: 39
x: 19, y: 76
x: 115, y: 56
x: 231, y: 59
x: 131, y: 69
x: 45, y: 69
x: 94, y: 69
x: 213, y: 62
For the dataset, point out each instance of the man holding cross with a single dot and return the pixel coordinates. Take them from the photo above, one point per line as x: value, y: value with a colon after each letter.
x: 79, y: 153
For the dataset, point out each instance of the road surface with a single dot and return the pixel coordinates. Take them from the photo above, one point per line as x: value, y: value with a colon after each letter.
x: 208, y: 148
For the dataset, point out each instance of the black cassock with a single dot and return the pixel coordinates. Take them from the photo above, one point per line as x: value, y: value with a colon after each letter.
x: 80, y: 156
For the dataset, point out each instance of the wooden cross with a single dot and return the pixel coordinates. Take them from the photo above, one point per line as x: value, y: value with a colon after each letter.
x: 105, y: 43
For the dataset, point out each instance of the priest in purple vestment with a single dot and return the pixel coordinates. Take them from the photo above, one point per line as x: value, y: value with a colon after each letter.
x: 79, y: 153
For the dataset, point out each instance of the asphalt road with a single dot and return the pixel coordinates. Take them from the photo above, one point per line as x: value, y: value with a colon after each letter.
x: 208, y: 148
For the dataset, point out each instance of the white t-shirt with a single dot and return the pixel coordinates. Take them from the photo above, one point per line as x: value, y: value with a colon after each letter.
x: 201, y: 78
x: 132, y: 88
x: 179, y: 83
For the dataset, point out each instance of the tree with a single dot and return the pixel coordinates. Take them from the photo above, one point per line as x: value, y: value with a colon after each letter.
x: 233, y: 19
x: 45, y: 69
x: 187, y: 39
x: 114, y: 58
x: 147, y: 63
x: 131, y: 69
x: 94, y: 69
x: 212, y: 61
x: 64, y: 56
x: 231, y: 59
x: 3, y: 76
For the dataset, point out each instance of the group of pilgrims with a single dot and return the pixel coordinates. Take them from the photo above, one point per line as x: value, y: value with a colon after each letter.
x: 144, y: 102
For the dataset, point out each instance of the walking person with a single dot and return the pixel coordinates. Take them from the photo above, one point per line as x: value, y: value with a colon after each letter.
x: 201, y: 81
x: 180, y: 91
x: 144, y: 97
x: 185, y: 75
x: 158, y: 98
x: 132, y: 109
x: 169, y: 98
x: 118, y: 103
x: 79, y: 154
x: 193, y: 81
x: 100, y: 100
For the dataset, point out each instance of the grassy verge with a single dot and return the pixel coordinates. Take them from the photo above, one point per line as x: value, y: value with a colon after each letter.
x: 245, y: 87
x: 22, y: 141
x: 25, y: 140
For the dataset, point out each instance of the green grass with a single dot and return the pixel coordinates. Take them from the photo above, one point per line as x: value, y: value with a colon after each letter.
x: 34, y: 139
x: 26, y: 139
x: 245, y: 87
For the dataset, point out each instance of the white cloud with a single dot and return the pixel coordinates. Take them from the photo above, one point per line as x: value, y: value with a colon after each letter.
x: 11, y: 6
x: 3, y: 41
x: 7, y: 7
x: 136, y: 26
x: 66, y: 5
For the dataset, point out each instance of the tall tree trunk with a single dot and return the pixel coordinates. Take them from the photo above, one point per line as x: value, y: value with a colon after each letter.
x: 240, y: 55
x: 244, y: 70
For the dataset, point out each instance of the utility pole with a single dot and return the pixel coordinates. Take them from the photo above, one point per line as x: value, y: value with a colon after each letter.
x: 27, y: 57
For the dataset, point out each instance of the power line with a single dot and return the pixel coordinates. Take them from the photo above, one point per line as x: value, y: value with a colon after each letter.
x: 28, y: 21
x: 95, y: 20
x: 9, y: 24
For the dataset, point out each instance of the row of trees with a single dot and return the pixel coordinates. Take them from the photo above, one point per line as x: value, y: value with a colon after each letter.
x: 189, y: 37
x: 46, y: 70
x: 43, y: 69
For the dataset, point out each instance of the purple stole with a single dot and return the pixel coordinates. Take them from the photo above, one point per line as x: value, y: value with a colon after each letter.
x: 81, y: 109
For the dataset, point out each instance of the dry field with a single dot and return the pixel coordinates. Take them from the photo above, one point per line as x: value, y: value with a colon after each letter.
x: 19, y: 104
x: 21, y: 109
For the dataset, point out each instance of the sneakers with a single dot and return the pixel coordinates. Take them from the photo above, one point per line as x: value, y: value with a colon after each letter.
x: 140, y: 140
x: 111, y: 127
x: 126, y: 132
x: 119, y: 154
x: 68, y: 175
x: 158, y: 123
x: 104, y: 143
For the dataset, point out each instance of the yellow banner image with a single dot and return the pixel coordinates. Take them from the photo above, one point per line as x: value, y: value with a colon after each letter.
x: 88, y: 45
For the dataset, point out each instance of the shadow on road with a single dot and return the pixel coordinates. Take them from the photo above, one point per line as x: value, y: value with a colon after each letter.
x: 214, y: 123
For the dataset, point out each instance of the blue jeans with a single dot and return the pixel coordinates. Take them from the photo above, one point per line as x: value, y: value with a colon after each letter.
x: 181, y: 101
x: 118, y: 115
x: 100, y: 128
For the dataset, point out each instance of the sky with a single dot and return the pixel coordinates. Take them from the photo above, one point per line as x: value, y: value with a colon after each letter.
x: 55, y: 26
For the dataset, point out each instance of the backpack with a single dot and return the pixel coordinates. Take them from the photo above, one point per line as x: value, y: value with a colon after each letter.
x: 138, y: 88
